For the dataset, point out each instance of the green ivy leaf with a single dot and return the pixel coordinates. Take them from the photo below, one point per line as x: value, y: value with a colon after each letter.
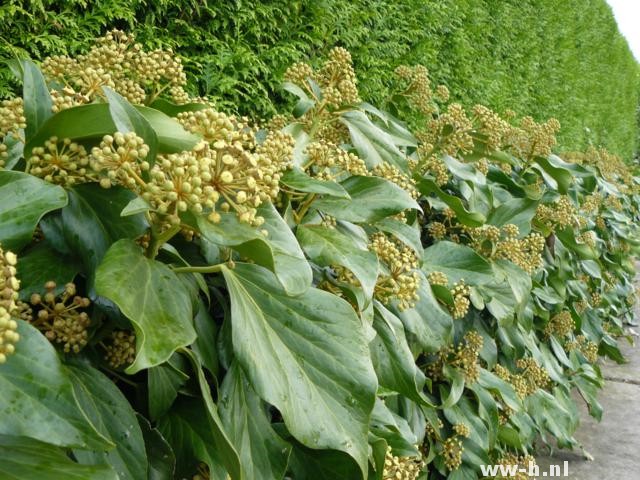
x: 23, y: 458
x: 162, y: 460
x: 518, y: 211
x: 41, y: 264
x: 25, y: 199
x: 127, y: 119
x: 374, y: 145
x: 393, y: 429
x: 92, y: 222
x: 111, y: 413
x: 37, y: 399
x: 392, y: 358
x: 311, y: 464
x: 279, y: 251
x: 89, y: 123
x: 37, y: 99
x: 297, y: 179
x: 189, y: 431
x: 153, y: 298
x: 431, y: 325
x: 326, y: 247
x: 426, y: 186
x: 228, y: 455
x: 372, y: 199
x: 457, y: 262
x: 263, y: 453
x: 164, y: 382
x: 307, y: 356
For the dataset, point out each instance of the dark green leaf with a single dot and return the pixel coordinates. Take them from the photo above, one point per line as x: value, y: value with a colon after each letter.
x: 228, y: 454
x: 372, y: 199
x: 41, y: 264
x: 127, y: 119
x: 189, y: 431
x: 92, y: 222
x: 374, y: 145
x: 36, y: 396
x: 110, y: 412
x: 92, y: 122
x: 392, y: 358
x: 264, y: 455
x: 164, y: 382
x: 427, y: 186
x: 205, y: 344
x: 278, y: 251
x: 25, y: 199
x: 37, y: 100
x: 457, y: 262
x: 23, y: 458
x: 519, y: 211
x: 326, y: 247
x: 162, y: 461
x: 153, y: 299
x: 297, y: 179
x: 307, y: 356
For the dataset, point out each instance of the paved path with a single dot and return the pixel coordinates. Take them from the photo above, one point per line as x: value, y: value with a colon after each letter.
x: 614, y: 443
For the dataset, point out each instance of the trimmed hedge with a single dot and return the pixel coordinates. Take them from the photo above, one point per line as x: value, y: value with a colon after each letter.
x: 560, y: 58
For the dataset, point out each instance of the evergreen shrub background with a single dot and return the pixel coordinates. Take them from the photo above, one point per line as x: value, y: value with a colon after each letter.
x: 548, y: 58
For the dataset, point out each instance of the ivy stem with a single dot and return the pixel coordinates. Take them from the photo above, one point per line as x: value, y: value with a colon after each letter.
x: 157, y: 240
x: 304, y: 208
x: 205, y: 269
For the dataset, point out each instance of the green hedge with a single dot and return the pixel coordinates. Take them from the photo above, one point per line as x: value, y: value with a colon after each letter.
x: 562, y: 58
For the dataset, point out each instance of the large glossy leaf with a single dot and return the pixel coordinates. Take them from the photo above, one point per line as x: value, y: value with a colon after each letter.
x: 205, y: 344
x: 394, y: 127
x: 164, y: 382
x: 92, y: 122
x: 457, y: 262
x: 23, y: 458
x: 24, y: 199
x: 263, y: 453
x: 152, y: 297
x: 519, y: 211
x: 307, y: 356
x: 162, y: 460
x: 36, y: 96
x: 311, y: 464
x: 374, y: 145
x: 279, y: 251
x: 41, y: 264
x: 392, y: 357
x: 173, y: 109
x: 428, y: 322
x: 14, y: 152
x: 558, y: 177
x: 326, y: 247
x: 372, y: 199
x: 112, y: 415
x: 128, y: 119
x: 92, y: 222
x: 36, y: 396
x: 188, y: 430
x: 300, y: 181
x: 226, y: 450
x: 427, y: 187
x: 393, y: 429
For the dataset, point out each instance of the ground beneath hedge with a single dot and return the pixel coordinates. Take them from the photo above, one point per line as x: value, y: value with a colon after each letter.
x: 614, y: 443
